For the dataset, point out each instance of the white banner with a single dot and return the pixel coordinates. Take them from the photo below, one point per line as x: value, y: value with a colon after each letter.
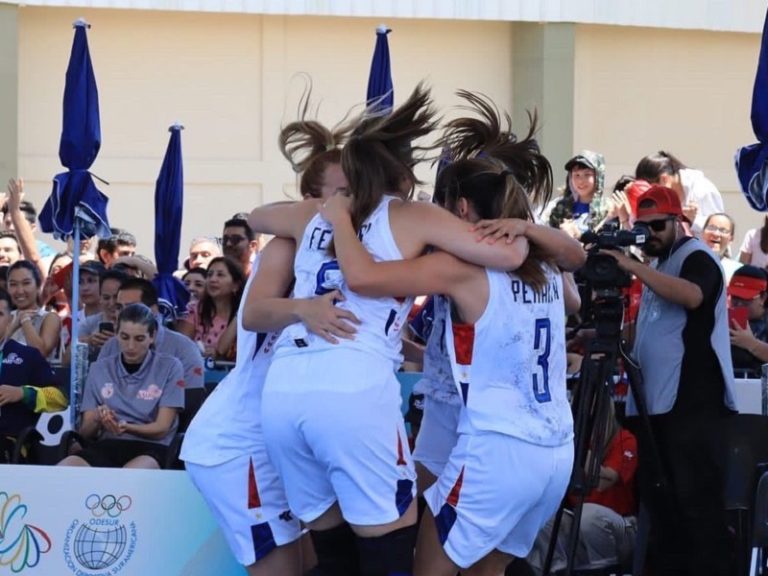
x: 56, y: 521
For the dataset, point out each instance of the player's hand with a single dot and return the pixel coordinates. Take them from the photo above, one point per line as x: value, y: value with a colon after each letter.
x: 322, y: 317
x: 336, y: 208
x: 10, y: 394
x: 493, y: 230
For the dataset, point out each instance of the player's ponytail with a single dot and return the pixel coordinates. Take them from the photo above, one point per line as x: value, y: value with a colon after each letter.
x: 310, y: 147
x: 488, y: 134
x: 379, y: 155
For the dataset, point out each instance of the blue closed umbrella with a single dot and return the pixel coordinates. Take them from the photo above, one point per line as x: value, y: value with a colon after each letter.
x: 381, y: 93
x: 76, y: 209
x: 169, y: 203
x: 752, y: 160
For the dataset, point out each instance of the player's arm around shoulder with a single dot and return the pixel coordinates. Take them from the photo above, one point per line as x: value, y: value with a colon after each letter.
x: 425, y: 224
x: 284, y: 219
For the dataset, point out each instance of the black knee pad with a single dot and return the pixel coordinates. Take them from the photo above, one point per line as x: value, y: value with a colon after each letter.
x: 336, y: 551
x: 388, y: 555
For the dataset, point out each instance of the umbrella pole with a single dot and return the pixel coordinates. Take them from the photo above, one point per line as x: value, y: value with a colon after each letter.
x: 74, y: 388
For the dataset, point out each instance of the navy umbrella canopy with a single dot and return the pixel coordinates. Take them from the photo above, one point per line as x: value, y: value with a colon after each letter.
x: 381, y: 93
x: 752, y: 160
x: 76, y: 209
x: 75, y: 198
x: 169, y: 203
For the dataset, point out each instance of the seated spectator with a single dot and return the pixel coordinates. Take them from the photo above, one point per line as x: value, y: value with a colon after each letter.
x: 10, y: 251
x: 201, y: 252
x: 754, y: 247
x: 138, y: 290
x: 90, y: 281
x: 211, y: 321
x: 136, y: 266
x: 748, y: 289
x: 240, y: 243
x: 57, y: 288
x: 131, y: 399
x: 121, y: 243
x: 99, y: 328
x: 28, y: 385
x: 608, y: 521
x: 194, y: 280
x: 718, y: 232
x: 32, y: 325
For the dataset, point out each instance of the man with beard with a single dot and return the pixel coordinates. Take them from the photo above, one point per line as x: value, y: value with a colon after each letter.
x: 683, y: 349
x: 239, y: 243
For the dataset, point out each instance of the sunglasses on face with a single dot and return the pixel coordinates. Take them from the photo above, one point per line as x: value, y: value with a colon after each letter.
x: 235, y: 239
x: 659, y: 225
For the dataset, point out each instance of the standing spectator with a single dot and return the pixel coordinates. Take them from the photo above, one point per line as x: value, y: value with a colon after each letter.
x: 239, y: 243
x: 718, y: 232
x: 32, y: 325
x: 580, y: 208
x: 201, y: 252
x: 210, y: 321
x: 682, y: 346
x: 754, y: 248
x: 20, y: 217
x: 131, y: 399
x: 139, y: 290
x: 120, y: 243
x: 698, y: 196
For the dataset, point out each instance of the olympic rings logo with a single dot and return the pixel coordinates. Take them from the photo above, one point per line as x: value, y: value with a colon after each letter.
x: 108, y: 505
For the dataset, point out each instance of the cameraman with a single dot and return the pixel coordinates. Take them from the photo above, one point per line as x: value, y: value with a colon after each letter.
x: 683, y: 349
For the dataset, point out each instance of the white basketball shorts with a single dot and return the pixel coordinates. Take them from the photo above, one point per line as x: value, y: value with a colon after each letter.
x: 437, y: 435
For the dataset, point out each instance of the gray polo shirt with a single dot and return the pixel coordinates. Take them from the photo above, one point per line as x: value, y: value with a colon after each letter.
x: 173, y: 344
x: 136, y: 398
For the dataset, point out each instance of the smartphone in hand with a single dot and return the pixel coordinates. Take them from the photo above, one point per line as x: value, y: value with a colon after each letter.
x: 108, y: 327
x: 738, y: 316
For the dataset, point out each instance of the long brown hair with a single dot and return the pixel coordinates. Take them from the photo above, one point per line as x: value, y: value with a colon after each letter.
x: 489, y: 133
x: 379, y: 155
x: 500, y: 175
x: 310, y: 147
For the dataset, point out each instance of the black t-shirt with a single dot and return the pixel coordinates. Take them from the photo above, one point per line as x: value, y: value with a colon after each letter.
x: 702, y: 386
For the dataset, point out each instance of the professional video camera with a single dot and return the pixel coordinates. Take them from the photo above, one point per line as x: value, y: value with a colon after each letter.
x: 602, y: 271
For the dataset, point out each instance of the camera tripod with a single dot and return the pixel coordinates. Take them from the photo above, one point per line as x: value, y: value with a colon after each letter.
x: 591, y: 405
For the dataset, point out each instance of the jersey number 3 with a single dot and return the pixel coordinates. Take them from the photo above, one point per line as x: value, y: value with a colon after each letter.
x: 541, y: 345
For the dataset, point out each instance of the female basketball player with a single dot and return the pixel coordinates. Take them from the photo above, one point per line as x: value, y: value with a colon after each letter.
x: 224, y: 446
x: 511, y: 464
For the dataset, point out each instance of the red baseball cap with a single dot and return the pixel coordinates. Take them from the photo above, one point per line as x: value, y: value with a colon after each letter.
x: 665, y: 201
x: 746, y: 287
x: 634, y: 191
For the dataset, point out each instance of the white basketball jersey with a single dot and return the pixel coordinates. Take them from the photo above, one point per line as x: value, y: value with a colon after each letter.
x: 317, y: 273
x: 228, y: 424
x: 437, y: 378
x: 510, y: 365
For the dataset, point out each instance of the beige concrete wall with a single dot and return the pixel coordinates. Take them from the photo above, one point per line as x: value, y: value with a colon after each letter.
x: 639, y: 90
x: 228, y: 79
x: 8, y: 91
